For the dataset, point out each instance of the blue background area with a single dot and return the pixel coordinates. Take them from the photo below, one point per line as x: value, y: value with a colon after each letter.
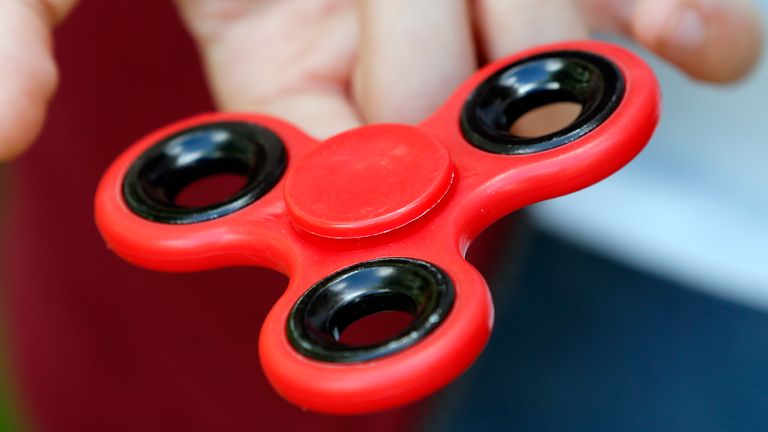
x: 583, y: 343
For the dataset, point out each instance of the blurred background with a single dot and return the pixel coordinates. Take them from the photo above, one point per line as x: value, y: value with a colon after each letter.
x: 637, y: 304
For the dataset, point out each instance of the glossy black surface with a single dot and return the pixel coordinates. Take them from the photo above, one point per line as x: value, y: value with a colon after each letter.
x: 565, y: 76
x: 165, y: 169
x: 330, y: 306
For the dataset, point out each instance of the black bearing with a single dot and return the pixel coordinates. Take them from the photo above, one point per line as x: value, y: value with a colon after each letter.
x: 413, y: 286
x: 157, y: 176
x: 497, y: 103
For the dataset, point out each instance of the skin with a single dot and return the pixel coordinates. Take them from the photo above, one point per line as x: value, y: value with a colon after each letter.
x: 343, y: 63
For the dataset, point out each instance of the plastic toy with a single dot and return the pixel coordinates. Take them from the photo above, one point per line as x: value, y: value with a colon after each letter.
x: 377, y: 218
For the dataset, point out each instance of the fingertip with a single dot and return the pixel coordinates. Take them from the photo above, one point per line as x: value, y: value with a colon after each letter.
x: 18, y: 130
x: 24, y: 96
x: 718, y: 41
x: 29, y: 76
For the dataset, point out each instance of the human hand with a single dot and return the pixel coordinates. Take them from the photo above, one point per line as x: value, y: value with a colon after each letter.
x: 330, y: 65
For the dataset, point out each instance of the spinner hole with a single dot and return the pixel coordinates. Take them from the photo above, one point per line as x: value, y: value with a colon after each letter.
x: 541, y: 103
x: 210, y: 190
x: 376, y: 328
x: 546, y: 119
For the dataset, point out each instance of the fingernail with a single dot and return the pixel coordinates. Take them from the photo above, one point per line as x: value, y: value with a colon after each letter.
x: 685, y: 30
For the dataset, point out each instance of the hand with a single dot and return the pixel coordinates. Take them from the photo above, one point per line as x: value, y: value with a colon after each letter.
x: 330, y: 65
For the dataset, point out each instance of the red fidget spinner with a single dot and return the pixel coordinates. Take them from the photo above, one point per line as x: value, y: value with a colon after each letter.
x: 377, y: 218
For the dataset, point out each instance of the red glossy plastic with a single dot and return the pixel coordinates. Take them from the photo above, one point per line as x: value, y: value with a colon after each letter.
x: 381, y: 191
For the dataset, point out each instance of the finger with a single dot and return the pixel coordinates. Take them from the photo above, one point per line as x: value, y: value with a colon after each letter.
x: 711, y: 40
x: 27, y: 68
x: 507, y: 26
x: 288, y: 59
x: 412, y: 54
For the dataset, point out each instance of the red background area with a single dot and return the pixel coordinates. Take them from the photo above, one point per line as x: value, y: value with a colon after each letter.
x: 97, y: 344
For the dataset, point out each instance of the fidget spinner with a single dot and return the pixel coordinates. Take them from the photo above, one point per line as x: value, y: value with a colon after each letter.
x: 377, y: 218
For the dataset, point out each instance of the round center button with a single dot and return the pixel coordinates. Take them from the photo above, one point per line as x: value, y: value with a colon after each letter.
x: 367, y: 181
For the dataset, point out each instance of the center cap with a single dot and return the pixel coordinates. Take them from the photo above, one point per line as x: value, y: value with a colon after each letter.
x: 367, y: 181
